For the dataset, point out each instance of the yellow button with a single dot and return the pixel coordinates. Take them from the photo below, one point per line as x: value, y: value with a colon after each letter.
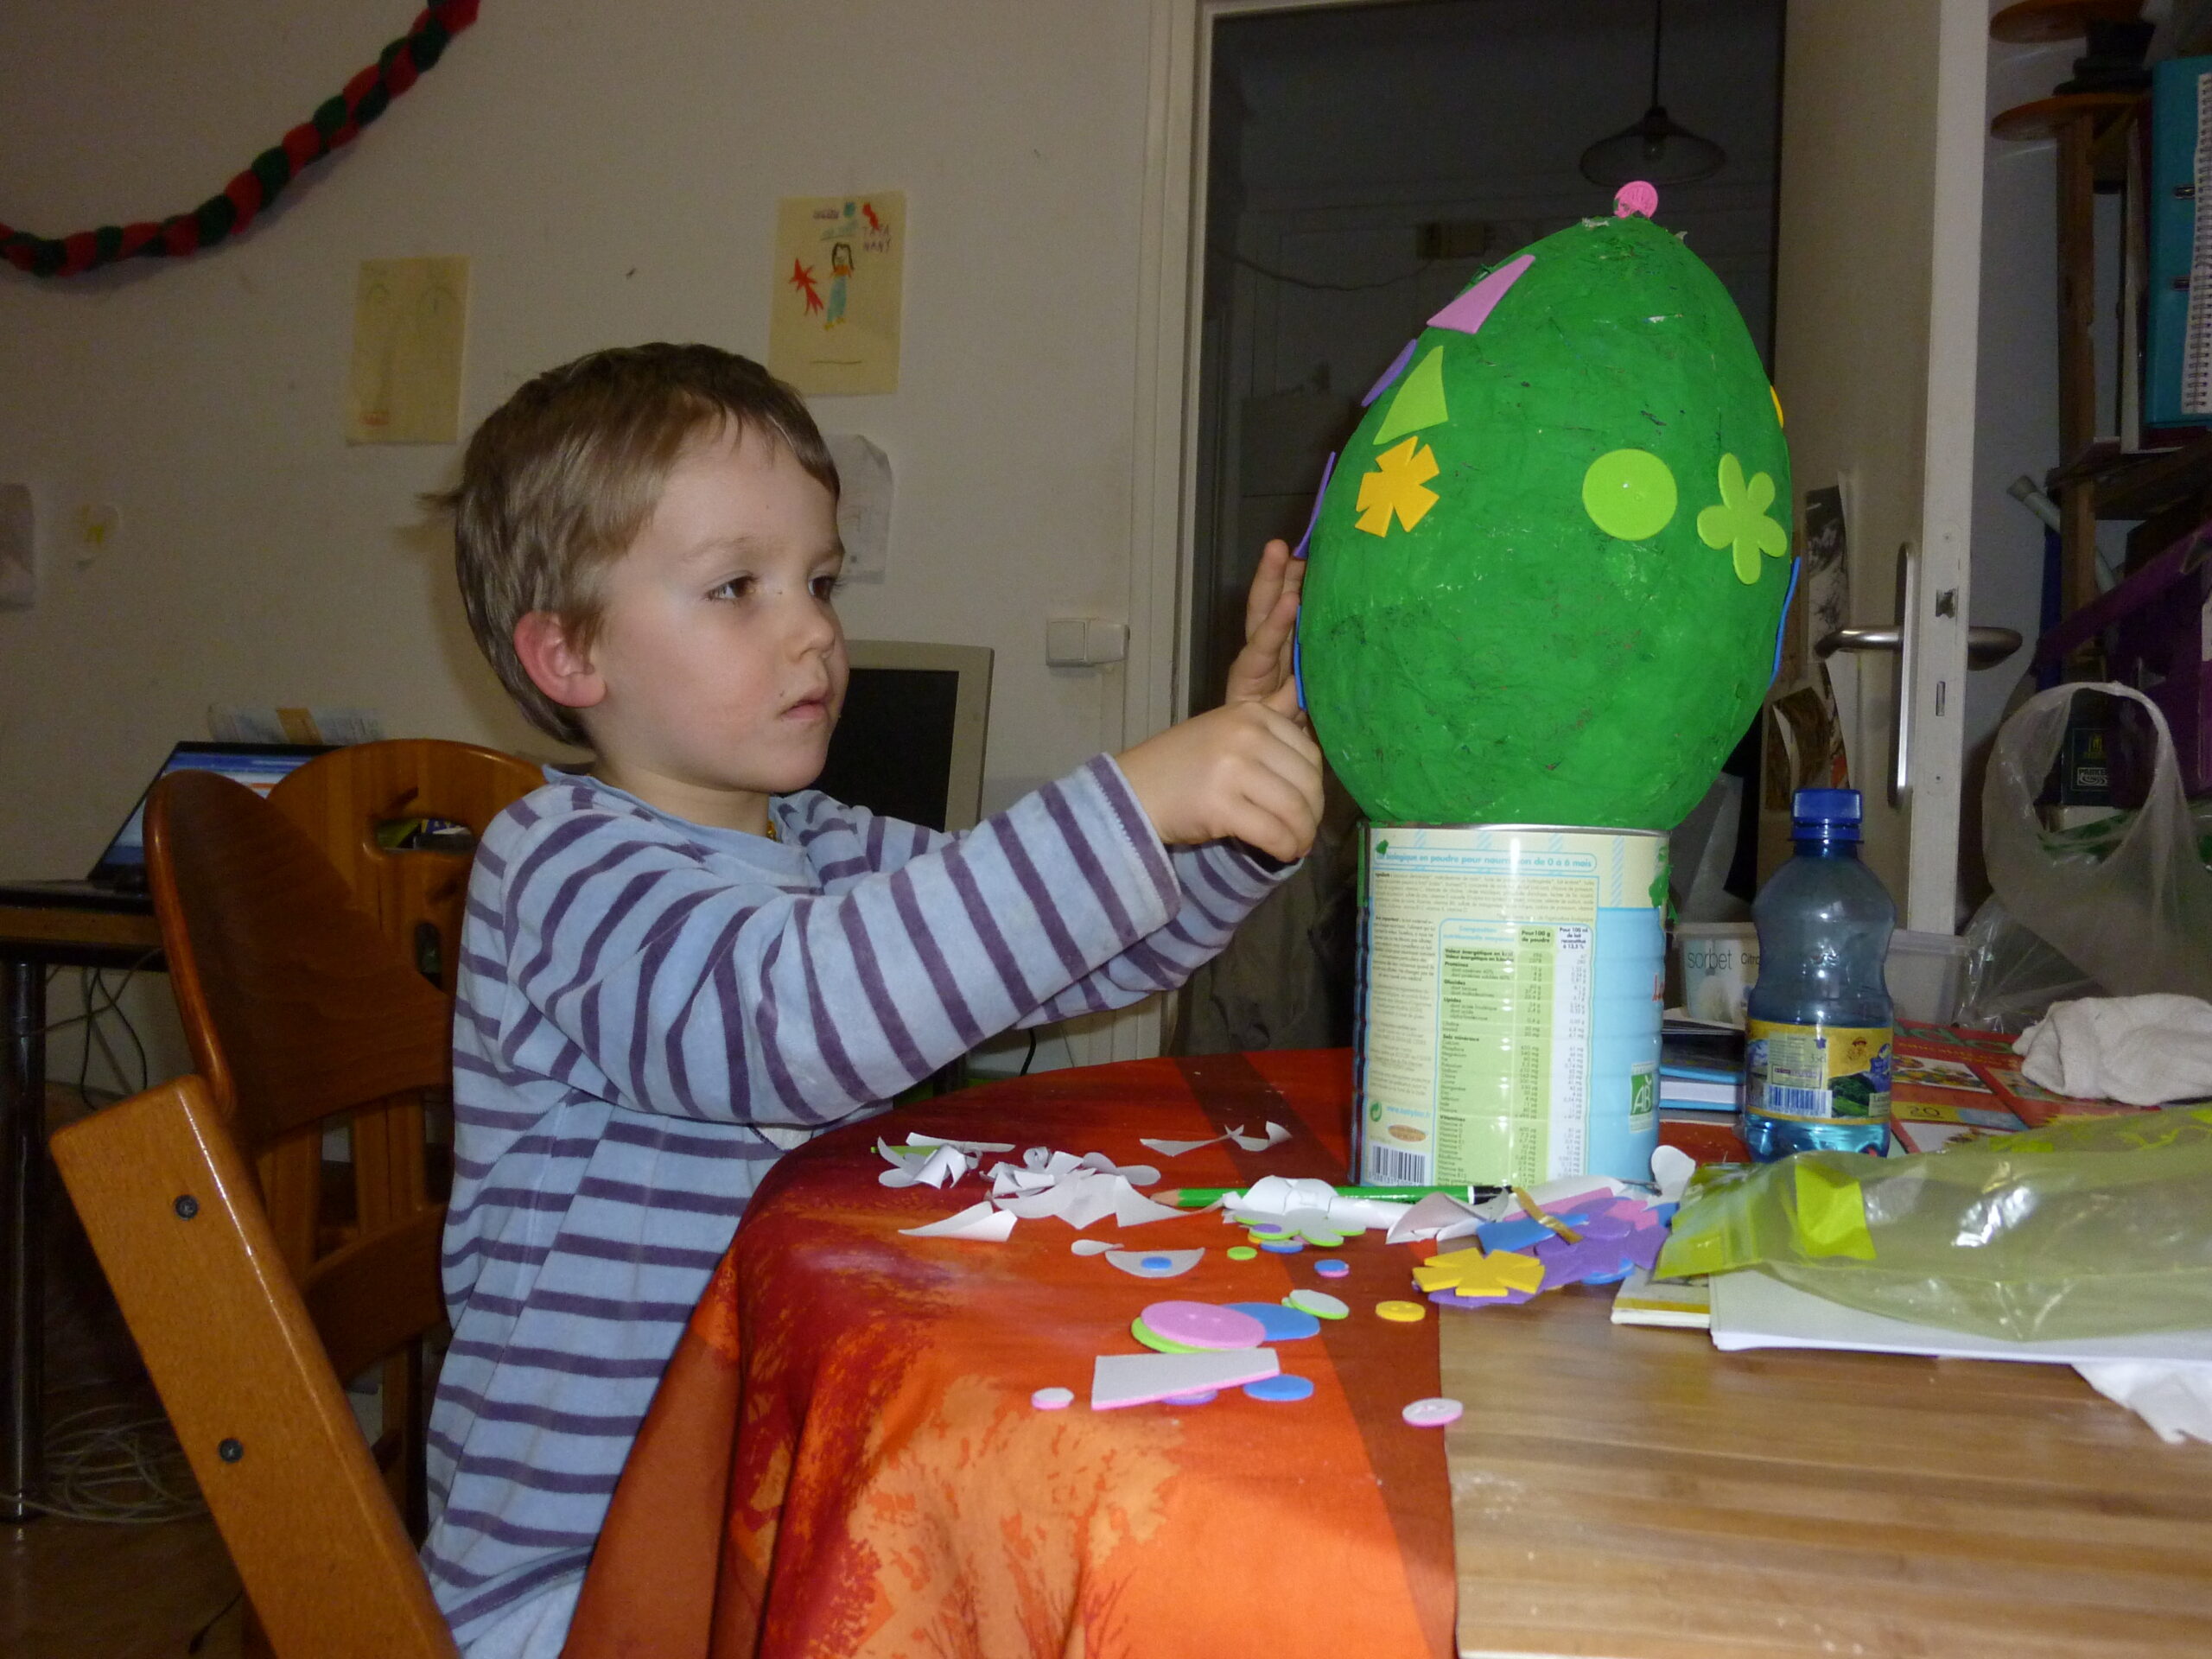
x: 1403, y: 1313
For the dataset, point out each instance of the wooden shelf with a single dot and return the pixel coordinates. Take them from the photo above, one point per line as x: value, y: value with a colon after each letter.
x: 2036, y: 23
x: 2140, y: 485
x: 2046, y: 116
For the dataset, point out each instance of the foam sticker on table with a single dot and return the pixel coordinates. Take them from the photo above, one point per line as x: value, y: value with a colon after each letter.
x: 1156, y: 1264
x: 1281, y: 1390
x: 1282, y: 1323
x: 1160, y: 1344
x: 1121, y: 1380
x: 1435, y: 1412
x: 1333, y: 1268
x: 1053, y: 1399
x: 1318, y: 1303
x: 1204, y: 1324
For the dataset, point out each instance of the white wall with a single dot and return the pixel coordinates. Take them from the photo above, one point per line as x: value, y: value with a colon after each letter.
x: 612, y: 173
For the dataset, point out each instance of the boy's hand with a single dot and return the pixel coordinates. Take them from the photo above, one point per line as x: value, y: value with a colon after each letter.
x: 1262, y: 668
x: 1248, y: 771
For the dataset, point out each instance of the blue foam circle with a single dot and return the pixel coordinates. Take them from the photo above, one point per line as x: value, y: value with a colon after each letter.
x: 1282, y: 1247
x: 1282, y: 1323
x: 1280, y: 1388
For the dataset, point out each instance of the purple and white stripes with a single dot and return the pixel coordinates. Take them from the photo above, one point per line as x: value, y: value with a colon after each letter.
x: 650, y: 1011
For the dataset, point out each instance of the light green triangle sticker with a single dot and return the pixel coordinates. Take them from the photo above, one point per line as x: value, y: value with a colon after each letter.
x: 1419, y: 402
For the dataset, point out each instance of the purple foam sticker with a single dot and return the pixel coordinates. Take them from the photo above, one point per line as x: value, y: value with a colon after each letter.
x: 1328, y: 469
x: 1453, y: 1298
x: 1467, y: 314
x: 1398, y: 367
x: 1602, y: 1227
x: 1643, y: 1247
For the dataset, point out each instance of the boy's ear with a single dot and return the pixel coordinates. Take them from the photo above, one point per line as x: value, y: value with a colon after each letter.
x: 554, y: 665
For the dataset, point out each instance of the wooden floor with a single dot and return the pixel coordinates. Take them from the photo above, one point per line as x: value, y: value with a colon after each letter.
x: 82, y: 1590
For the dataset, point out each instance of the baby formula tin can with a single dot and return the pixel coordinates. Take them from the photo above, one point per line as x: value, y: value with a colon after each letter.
x: 1511, y: 978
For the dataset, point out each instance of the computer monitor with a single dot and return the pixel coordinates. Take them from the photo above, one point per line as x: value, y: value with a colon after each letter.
x: 910, y: 742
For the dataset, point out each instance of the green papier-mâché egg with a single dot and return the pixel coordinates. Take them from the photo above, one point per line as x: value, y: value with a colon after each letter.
x: 1547, y: 573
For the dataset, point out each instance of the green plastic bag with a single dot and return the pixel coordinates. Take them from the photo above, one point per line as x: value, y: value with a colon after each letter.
x: 2095, y: 1227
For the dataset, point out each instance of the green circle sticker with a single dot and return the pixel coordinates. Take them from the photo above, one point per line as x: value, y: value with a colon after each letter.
x: 1629, y: 494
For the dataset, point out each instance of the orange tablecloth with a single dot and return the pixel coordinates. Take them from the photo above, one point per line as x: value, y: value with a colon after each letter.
x: 843, y: 1459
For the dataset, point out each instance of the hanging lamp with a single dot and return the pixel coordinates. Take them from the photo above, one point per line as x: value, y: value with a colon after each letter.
x: 1656, y: 149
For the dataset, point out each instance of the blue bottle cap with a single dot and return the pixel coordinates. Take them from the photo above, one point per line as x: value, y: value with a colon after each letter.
x: 1826, y: 815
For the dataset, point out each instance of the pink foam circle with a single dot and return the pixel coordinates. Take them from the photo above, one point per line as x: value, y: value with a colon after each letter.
x: 1433, y: 1414
x: 1635, y: 197
x: 1203, y: 1325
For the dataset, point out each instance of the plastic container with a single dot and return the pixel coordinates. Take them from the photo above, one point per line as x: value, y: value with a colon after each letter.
x: 1925, y: 971
x: 1510, y: 987
x: 1719, y: 963
x: 1818, y: 1034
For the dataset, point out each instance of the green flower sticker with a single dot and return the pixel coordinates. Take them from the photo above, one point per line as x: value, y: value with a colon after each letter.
x: 1740, y: 522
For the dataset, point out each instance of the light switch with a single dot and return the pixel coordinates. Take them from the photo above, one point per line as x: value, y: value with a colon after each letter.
x: 1084, y: 641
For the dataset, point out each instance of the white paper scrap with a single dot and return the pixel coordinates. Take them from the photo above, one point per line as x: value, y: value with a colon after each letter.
x: 1133, y: 1209
x: 1275, y: 1136
x: 1135, y: 1174
x: 973, y: 1149
x: 1671, y: 1169
x: 977, y: 1221
x: 943, y: 1166
x: 1177, y: 1149
x: 1093, y: 1246
x: 1438, y: 1216
x: 1118, y: 1380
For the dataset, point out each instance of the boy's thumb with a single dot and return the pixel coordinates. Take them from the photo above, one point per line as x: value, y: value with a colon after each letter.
x: 1284, y: 698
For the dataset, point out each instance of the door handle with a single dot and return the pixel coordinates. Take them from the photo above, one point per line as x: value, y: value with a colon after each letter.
x: 1985, y: 647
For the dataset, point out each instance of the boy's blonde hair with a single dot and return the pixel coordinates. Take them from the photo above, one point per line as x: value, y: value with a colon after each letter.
x: 560, y: 479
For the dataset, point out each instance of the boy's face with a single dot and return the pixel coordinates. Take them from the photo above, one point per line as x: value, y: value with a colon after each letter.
x: 721, y: 658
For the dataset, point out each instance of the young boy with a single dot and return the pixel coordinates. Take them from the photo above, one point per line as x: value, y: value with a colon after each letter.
x: 683, y: 962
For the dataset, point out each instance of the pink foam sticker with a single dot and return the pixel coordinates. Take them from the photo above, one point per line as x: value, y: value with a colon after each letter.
x: 1203, y: 1325
x: 1467, y: 314
x: 1635, y: 197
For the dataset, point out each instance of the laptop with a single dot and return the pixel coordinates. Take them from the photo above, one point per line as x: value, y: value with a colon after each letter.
x: 118, y: 878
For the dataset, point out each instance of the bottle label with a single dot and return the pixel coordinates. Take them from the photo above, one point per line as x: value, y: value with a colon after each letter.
x: 1815, y: 1074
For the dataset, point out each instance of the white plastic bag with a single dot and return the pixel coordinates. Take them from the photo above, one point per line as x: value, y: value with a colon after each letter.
x: 2140, y: 918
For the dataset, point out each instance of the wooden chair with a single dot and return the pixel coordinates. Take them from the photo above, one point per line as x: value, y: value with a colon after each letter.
x: 299, y: 1009
x: 248, y: 1364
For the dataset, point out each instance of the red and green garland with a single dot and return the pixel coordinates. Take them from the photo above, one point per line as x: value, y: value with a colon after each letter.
x: 337, y: 121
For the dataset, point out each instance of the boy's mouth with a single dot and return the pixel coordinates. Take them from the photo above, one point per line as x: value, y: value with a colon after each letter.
x: 809, y: 708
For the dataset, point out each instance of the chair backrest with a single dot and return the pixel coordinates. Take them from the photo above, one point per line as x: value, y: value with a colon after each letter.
x: 295, y: 1004
x: 298, y: 1009
x: 344, y: 799
x: 238, y: 1352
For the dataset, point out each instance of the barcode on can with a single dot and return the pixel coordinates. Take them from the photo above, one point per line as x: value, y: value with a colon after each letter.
x: 1779, y: 1100
x: 1387, y: 1166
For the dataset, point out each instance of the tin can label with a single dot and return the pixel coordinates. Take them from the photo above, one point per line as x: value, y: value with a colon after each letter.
x: 1816, y: 1074
x: 1479, y: 995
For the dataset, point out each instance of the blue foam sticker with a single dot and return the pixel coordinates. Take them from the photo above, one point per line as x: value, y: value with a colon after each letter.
x: 1283, y: 1388
x: 1282, y: 1323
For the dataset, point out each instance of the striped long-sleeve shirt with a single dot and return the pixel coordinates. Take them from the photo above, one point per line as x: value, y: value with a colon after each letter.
x: 649, y: 1011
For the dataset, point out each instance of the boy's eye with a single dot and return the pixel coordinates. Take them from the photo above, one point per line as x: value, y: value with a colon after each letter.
x: 825, y: 588
x: 735, y: 588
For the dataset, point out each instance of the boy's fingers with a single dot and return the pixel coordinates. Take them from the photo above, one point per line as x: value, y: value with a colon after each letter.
x: 1267, y: 584
x: 1283, y: 701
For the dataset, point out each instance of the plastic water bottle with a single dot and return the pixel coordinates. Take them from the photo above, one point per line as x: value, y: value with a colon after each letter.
x: 1820, y: 1020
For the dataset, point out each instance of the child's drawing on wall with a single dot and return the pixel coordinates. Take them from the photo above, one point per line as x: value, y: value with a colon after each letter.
x: 841, y: 271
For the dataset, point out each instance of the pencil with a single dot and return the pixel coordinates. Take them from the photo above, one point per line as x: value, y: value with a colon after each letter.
x: 1194, y: 1197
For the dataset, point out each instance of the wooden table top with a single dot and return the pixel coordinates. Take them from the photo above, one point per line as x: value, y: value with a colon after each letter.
x: 69, y: 926
x: 1627, y: 1492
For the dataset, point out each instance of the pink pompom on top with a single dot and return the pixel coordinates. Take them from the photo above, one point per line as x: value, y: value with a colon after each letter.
x: 1635, y: 197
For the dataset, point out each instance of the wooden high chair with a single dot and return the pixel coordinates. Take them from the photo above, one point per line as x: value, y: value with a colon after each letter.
x: 247, y: 1361
x: 299, y: 1010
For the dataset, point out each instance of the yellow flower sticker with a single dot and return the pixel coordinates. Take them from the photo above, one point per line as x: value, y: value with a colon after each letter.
x: 1397, y: 487
x: 1739, y: 524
